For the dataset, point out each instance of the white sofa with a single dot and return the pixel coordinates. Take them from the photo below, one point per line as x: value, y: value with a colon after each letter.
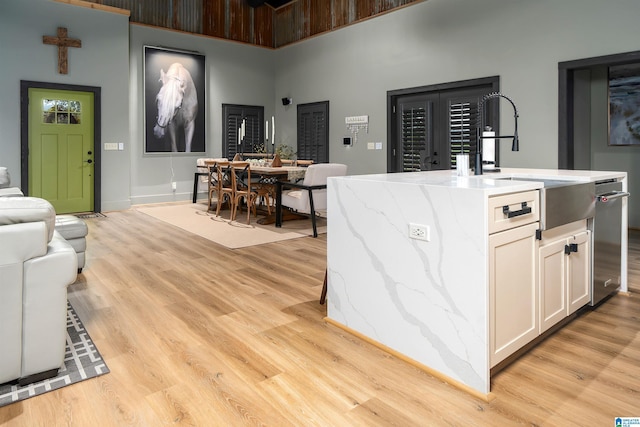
x: 72, y: 228
x: 36, y: 266
x: 6, y: 190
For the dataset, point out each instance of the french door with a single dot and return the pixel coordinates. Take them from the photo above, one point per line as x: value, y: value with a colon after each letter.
x: 313, y: 132
x: 430, y: 125
x: 232, y: 118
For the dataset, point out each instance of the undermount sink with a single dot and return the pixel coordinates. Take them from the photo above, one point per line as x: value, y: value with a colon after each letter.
x: 563, y: 202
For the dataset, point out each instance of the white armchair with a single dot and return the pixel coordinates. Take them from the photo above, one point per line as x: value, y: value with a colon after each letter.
x: 6, y: 190
x: 36, y: 265
x: 310, y: 196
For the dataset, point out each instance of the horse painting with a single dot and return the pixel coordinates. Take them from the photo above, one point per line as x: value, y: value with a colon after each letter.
x: 177, y: 103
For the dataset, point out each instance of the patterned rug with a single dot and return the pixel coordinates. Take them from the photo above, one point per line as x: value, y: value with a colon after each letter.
x: 81, y: 362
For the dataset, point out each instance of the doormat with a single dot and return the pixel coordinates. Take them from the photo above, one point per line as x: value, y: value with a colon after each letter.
x: 81, y: 362
x: 91, y: 215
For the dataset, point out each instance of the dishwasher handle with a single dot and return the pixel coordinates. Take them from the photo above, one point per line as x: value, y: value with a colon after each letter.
x: 604, y: 198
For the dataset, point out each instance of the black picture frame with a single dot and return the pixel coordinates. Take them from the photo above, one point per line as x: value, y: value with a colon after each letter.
x: 624, y: 105
x: 183, y: 74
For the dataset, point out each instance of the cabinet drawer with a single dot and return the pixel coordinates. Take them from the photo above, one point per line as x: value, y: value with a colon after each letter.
x: 513, y: 210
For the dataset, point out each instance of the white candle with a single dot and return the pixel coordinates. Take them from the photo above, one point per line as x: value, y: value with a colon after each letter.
x: 273, y: 130
x: 243, y: 129
x: 266, y: 129
x: 239, y: 136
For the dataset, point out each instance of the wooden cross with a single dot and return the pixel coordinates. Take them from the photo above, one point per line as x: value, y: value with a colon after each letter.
x: 63, y: 42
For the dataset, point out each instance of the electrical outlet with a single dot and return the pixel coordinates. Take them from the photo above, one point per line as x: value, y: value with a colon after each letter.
x: 173, y: 185
x: 419, y: 231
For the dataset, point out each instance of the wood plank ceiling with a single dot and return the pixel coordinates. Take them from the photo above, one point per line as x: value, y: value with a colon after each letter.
x: 267, y: 23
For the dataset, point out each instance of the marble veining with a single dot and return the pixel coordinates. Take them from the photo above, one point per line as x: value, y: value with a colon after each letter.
x: 426, y: 300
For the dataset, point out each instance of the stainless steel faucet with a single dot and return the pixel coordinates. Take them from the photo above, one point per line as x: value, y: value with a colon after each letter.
x: 515, y: 146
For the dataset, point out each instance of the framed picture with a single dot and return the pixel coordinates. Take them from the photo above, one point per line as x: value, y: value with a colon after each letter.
x: 624, y: 104
x: 174, y: 101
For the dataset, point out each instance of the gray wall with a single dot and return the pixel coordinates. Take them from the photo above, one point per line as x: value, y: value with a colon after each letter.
x: 432, y: 42
x: 236, y: 74
x: 440, y: 41
x: 103, y: 61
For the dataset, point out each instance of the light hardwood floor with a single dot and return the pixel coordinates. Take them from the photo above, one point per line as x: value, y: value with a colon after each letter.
x: 198, y: 335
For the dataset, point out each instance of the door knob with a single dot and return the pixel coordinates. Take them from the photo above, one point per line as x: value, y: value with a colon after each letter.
x: 89, y: 161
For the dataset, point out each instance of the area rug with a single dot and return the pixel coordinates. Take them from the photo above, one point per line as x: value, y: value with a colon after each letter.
x: 194, y: 218
x: 81, y: 362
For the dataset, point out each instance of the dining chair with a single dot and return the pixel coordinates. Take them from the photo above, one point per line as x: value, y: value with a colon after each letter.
x: 241, y: 183
x: 212, y: 179
x: 265, y: 192
x: 310, y: 196
x: 200, y: 177
x: 226, y: 188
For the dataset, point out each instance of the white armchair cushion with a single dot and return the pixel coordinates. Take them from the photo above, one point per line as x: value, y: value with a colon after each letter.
x: 18, y: 210
x: 45, y: 307
x: 19, y: 243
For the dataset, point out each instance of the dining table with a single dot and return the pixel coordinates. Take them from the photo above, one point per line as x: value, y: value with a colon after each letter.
x: 269, y: 176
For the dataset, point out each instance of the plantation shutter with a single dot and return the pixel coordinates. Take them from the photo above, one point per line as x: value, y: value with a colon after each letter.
x: 430, y: 126
x: 313, y: 132
x: 462, y: 129
x: 253, y: 141
x: 415, y: 122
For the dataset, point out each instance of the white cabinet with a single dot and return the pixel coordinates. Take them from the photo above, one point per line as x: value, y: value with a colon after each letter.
x: 564, y: 272
x: 513, y: 288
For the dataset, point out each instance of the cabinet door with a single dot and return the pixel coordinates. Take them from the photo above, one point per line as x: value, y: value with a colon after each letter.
x: 579, y: 277
x: 513, y: 290
x: 552, y: 274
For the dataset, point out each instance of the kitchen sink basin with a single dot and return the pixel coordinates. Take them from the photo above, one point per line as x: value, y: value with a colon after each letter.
x: 563, y: 202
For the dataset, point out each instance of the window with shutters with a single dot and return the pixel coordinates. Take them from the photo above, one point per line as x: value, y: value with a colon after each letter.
x: 429, y: 125
x: 462, y: 129
x: 232, y: 117
x: 313, y: 132
x: 414, y: 135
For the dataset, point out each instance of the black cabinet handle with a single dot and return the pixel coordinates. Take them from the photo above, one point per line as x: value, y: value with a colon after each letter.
x: 510, y: 214
x: 572, y: 247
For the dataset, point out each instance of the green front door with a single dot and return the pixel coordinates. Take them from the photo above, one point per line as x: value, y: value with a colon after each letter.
x: 61, y: 148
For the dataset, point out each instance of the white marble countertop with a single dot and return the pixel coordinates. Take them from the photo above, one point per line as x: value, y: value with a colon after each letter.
x: 428, y: 300
x: 490, y: 183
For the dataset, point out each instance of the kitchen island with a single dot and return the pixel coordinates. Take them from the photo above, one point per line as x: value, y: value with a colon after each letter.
x: 426, y: 298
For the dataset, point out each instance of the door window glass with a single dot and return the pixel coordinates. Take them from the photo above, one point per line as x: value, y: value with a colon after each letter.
x: 61, y: 111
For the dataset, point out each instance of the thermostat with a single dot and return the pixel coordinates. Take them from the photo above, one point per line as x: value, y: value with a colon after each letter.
x: 346, y: 141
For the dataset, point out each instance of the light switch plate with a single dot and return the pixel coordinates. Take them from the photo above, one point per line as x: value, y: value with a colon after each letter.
x: 121, y: 146
x: 109, y: 146
x: 371, y: 146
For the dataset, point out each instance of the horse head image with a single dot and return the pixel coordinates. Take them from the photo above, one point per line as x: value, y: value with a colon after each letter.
x: 177, y: 103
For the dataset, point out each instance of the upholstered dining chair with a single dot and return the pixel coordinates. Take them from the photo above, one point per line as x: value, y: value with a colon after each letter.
x: 310, y: 196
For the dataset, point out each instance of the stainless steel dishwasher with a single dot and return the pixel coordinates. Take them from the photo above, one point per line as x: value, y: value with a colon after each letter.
x: 607, y: 236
